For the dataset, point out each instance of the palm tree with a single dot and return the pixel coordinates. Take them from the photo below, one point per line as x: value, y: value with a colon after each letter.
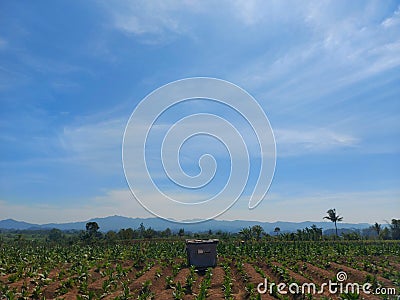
x: 377, y: 227
x: 332, y: 216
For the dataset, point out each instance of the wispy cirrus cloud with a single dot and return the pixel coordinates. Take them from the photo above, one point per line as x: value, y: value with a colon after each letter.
x: 338, y: 48
x: 95, y: 145
x: 392, y: 20
x: 152, y: 22
x: 295, y: 142
x: 98, y: 144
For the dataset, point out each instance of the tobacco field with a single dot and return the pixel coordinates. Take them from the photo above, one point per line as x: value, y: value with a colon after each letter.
x: 158, y: 269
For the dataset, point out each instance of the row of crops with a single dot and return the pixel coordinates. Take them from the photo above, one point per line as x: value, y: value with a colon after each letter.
x: 158, y: 270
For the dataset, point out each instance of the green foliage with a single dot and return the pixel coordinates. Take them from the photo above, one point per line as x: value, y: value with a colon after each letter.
x: 145, y: 292
x: 228, y: 282
x: 55, y: 235
x: 179, y: 291
x: 395, y: 229
x: 190, y: 280
x: 252, y: 233
x: 80, y: 264
x: 205, y: 285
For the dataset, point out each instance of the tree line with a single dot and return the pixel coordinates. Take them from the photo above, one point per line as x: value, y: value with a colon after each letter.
x: 253, y: 233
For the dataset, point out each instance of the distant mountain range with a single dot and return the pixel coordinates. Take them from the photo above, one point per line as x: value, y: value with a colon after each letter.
x: 118, y: 222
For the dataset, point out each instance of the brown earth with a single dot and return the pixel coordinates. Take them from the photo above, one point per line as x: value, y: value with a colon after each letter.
x: 303, y: 272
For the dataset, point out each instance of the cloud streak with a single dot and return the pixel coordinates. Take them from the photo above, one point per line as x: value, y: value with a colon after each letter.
x: 292, y: 142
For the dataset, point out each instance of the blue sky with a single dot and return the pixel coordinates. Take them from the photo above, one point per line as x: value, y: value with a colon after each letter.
x: 326, y: 73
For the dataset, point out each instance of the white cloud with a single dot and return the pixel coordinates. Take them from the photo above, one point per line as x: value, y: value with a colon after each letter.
x: 249, y: 12
x: 339, y: 47
x: 393, y: 20
x: 152, y: 21
x: 97, y: 144
x: 292, y: 142
x: 146, y: 17
x: 162, y: 20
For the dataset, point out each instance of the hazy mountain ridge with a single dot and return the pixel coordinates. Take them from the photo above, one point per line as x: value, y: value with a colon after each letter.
x: 118, y: 222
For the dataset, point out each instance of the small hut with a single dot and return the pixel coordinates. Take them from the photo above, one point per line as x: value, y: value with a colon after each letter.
x: 202, y: 253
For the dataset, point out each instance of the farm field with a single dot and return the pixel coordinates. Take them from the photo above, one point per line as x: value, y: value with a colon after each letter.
x: 158, y: 270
